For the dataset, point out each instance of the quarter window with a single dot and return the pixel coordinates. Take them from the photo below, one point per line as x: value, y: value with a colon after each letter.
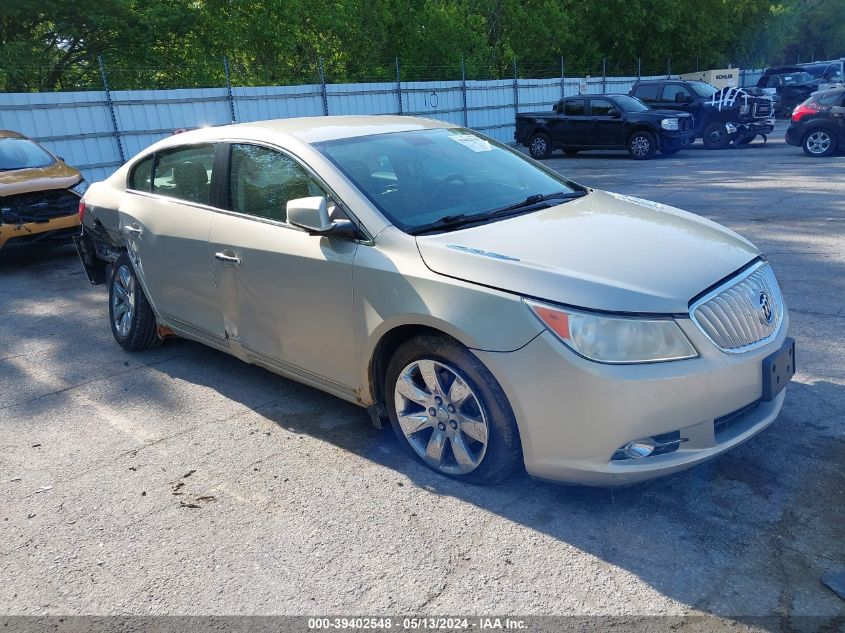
x: 262, y: 181
x: 574, y: 108
x: 185, y: 173
x: 141, y: 177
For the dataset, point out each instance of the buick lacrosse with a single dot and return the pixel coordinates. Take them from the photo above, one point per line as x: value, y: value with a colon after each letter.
x: 490, y: 310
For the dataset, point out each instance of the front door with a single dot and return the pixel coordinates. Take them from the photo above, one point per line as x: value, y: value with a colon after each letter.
x: 286, y: 295
x: 608, y: 128
x: 165, y: 217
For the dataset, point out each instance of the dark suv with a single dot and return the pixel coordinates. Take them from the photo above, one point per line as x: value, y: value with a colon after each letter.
x: 603, y: 122
x: 818, y: 124
x: 721, y: 116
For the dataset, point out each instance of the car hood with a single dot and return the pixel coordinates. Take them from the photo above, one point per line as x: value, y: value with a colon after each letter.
x: 604, y: 251
x: 659, y: 114
x: 55, y: 176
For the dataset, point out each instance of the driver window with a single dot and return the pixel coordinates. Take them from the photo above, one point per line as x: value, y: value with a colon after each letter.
x: 262, y: 181
x: 671, y: 92
x: 601, y: 107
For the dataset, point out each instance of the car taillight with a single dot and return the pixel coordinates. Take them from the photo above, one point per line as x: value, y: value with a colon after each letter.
x: 806, y: 109
x: 81, y: 210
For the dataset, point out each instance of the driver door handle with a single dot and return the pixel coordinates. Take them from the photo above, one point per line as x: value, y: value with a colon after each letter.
x: 132, y: 229
x: 227, y: 258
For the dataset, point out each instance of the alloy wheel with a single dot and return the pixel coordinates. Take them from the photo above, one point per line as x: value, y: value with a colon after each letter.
x: 818, y: 142
x: 640, y: 146
x: 538, y: 146
x: 441, y: 417
x: 123, y: 300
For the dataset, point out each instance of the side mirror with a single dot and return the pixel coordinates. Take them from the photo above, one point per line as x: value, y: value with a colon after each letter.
x: 311, y: 214
x: 614, y: 114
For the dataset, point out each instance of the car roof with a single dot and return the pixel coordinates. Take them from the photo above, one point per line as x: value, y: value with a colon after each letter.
x: 316, y: 129
x: 11, y: 134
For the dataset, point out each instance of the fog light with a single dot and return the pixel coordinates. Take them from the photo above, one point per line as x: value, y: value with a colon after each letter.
x: 639, y: 448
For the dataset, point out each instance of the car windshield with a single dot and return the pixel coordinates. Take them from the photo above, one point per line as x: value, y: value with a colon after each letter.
x: 21, y: 153
x: 420, y: 177
x: 703, y: 89
x: 631, y: 104
x: 793, y: 79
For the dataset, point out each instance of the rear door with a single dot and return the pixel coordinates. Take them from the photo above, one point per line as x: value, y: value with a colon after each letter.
x: 572, y: 130
x: 286, y: 295
x: 165, y: 218
x: 648, y: 94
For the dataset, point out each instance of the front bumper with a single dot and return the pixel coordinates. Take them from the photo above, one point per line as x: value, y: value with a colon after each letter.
x: 57, y: 229
x: 753, y: 126
x: 676, y: 140
x: 573, y: 414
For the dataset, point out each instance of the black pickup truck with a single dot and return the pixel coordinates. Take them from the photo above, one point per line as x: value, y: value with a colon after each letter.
x: 721, y: 116
x: 603, y: 122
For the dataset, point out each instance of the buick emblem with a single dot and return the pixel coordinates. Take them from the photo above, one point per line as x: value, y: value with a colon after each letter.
x: 765, y: 308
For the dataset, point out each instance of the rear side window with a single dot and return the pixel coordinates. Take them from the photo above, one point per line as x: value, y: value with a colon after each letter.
x: 184, y: 173
x: 141, y: 177
x: 647, y: 92
x: 574, y: 108
x: 829, y: 100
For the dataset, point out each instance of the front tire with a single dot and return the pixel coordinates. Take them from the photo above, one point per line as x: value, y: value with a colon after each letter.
x: 819, y: 143
x: 133, y: 323
x: 540, y: 146
x: 641, y: 145
x: 716, y: 136
x: 448, y: 411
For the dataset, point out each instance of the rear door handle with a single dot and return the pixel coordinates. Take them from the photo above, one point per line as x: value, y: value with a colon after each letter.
x: 132, y: 229
x: 227, y: 259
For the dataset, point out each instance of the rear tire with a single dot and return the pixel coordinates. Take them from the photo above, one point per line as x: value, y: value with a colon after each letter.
x: 540, y: 146
x: 641, y: 145
x: 133, y: 323
x: 472, y: 434
x: 819, y: 143
x: 716, y: 136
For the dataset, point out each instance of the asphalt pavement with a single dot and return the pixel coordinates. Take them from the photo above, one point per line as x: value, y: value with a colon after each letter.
x: 182, y: 481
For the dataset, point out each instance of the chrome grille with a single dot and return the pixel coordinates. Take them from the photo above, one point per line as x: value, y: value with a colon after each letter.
x: 733, y: 316
x: 762, y: 109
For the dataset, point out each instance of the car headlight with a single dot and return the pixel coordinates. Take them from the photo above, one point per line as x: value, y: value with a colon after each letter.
x: 612, y: 339
x: 669, y: 124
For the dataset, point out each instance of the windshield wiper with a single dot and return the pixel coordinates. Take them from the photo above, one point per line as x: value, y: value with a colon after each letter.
x: 536, y: 199
x: 528, y: 204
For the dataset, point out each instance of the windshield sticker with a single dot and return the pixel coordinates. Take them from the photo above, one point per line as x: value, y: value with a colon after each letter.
x: 478, y: 251
x: 473, y: 142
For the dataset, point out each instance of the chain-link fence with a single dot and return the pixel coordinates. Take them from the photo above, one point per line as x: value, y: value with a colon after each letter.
x: 102, y: 123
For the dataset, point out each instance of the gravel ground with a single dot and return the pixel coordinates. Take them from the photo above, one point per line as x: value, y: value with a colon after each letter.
x: 182, y: 481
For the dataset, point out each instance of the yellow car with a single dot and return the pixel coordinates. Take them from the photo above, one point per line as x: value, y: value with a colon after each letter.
x: 39, y: 201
